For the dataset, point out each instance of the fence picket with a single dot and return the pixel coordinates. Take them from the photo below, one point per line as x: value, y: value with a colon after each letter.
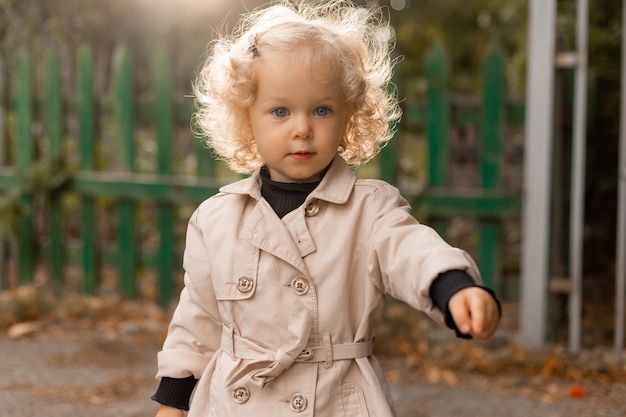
x: 3, y: 242
x: 123, y: 105
x: 24, y: 157
x: 127, y: 188
x: 492, y: 119
x: 3, y: 117
x: 162, y: 114
x: 437, y: 116
x: 85, y: 110
x: 437, y: 122
x: 53, y: 126
x: 490, y: 161
x: 389, y: 154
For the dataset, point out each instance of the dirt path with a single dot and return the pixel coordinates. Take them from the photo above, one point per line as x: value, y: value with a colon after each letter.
x: 60, y: 372
x: 103, y: 371
x: 96, y: 357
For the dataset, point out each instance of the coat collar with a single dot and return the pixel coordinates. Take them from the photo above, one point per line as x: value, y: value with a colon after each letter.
x: 263, y: 229
x: 335, y: 187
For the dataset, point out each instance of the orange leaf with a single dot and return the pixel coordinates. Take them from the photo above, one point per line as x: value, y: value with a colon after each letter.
x: 576, y: 391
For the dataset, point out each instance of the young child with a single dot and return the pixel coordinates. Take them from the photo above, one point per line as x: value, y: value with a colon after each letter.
x: 287, y: 271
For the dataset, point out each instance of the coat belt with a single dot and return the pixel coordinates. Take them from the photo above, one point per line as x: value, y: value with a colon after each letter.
x: 266, y: 365
x: 338, y: 352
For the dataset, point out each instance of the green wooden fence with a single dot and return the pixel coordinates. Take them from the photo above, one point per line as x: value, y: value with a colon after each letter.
x: 32, y: 167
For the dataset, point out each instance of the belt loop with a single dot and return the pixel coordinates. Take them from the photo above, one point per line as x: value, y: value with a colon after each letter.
x: 328, y: 350
x: 228, y: 344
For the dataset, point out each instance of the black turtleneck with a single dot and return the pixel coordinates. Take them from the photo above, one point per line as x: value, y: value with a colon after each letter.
x: 284, y: 197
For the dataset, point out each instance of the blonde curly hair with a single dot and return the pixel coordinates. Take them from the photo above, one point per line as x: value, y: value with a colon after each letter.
x: 358, y: 39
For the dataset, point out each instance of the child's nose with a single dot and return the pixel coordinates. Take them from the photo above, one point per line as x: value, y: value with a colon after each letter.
x: 302, y: 127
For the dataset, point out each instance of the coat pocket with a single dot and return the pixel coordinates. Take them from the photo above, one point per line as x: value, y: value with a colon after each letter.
x: 353, y: 401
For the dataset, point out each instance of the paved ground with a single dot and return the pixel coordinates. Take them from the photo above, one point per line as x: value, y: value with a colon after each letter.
x: 60, y: 371
x: 96, y: 357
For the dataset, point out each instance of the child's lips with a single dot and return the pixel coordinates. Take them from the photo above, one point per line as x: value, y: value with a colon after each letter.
x: 302, y: 155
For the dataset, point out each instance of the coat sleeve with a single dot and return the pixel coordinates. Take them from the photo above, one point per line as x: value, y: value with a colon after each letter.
x: 195, y: 330
x: 405, y: 257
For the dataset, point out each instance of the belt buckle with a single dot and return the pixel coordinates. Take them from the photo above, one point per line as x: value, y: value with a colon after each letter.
x: 305, y: 355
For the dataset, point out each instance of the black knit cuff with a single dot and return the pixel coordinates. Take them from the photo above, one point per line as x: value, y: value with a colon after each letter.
x: 445, y: 286
x: 175, y: 392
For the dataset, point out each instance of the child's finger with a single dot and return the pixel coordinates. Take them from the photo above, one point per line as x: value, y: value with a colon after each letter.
x: 477, y: 315
x: 484, y: 318
x: 460, y: 313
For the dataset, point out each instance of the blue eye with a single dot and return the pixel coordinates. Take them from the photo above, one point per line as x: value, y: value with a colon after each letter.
x: 280, y: 112
x: 322, y: 111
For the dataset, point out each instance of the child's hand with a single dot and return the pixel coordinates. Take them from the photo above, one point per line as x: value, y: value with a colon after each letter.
x: 474, y: 312
x: 165, y: 411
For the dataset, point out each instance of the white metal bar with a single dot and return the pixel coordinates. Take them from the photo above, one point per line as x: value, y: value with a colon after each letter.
x: 577, y: 208
x: 537, y: 172
x: 620, y: 267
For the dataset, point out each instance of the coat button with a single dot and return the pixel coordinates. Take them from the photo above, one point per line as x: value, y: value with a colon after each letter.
x: 300, y: 285
x: 245, y: 284
x: 312, y: 209
x: 241, y: 395
x: 298, y: 403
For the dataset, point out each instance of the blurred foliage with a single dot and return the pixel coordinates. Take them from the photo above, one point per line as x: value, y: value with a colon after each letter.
x: 466, y: 31
x: 40, y: 23
x: 42, y: 178
x: 184, y: 27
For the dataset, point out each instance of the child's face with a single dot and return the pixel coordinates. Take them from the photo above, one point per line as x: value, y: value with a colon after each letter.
x: 298, y: 116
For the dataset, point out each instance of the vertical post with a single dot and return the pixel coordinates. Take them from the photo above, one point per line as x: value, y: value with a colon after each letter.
x: 491, y: 161
x: 25, y: 155
x: 84, y: 105
x: 537, y: 157
x: 3, y: 143
x: 620, y: 267
x: 578, y: 176
x: 205, y: 164
x: 437, y: 113
x: 162, y: 114
x: 124, y: 114
x: 389, y: 154
x: 437, y: 122
x: 53, y: 130
x: 492, y: 119
x: 3, y: 246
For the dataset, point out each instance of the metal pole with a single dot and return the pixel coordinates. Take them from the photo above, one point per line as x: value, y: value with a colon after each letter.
x: 577, y: 208
x: 537, y: 172
x: 620, y: 278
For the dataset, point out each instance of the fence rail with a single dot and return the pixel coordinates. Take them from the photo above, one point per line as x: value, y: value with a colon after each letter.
x: 36, y: 150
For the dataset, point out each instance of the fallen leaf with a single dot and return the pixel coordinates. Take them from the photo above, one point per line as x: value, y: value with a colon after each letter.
x: 576, y: 391
x: 23, y: 329
x: 393, y: 377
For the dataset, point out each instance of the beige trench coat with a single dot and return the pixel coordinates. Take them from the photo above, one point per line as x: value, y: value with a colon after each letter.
x: 277, y: 317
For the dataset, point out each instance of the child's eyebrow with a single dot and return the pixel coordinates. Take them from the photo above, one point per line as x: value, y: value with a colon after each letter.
x: 330, y: 98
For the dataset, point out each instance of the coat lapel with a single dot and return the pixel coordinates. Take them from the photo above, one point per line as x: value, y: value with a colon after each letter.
x: 264, y: 230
